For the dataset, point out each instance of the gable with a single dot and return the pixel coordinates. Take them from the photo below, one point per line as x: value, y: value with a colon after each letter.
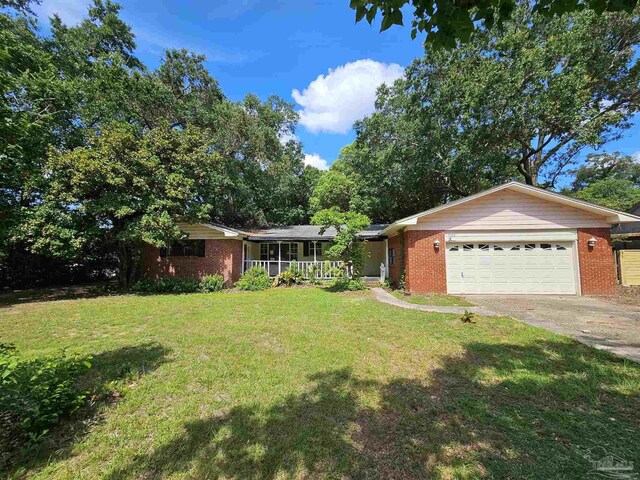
x: 508, y: 209
x: 204, y: 231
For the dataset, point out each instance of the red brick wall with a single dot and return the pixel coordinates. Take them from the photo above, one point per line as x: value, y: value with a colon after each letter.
x: 597, y: 270
x: 425, y: 270
x: 394, y: 270
x: 220, y: 256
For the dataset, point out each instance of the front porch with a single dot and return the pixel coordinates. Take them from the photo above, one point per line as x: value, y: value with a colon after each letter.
x: 309, y: 258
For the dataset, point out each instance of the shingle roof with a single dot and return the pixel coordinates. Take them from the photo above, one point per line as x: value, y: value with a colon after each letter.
x: 307, y: 232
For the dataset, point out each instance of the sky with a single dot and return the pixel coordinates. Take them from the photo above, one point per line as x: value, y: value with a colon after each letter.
x: 309, y: 52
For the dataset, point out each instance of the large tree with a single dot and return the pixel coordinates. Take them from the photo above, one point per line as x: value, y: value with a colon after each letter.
x: 519, y: 103
x: 446, y: 21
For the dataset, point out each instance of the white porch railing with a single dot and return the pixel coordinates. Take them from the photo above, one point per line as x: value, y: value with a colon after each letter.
x: 320, y: 269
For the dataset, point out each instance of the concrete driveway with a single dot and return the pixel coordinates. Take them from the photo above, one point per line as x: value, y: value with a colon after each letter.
x: 601, y: 323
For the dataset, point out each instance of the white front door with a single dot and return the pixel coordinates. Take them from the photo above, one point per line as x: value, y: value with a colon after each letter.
x: 514, y: 267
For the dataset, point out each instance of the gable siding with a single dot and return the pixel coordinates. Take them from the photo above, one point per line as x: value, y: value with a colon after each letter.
x: 197, y: 231
x: 508, y: 210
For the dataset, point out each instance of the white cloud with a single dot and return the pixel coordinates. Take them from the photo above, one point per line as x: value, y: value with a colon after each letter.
x: 286, y: 137
x: 636, y: 156
x: 316, y: 160
x: 70, y: 11
x: 332, y: 102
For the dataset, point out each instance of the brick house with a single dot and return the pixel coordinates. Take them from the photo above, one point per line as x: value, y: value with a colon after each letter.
x: 511, y: 239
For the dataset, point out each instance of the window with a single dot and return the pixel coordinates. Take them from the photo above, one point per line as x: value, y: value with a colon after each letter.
x: 454, y: 248
x: 184, y: 248
x: 529, y: 246
x: 560, y: 247
x: 515, y: 247
x: 483, y: 247
x: 308, y: 248
x: 545, y: 246
x: 392, y: 256
x: 264, y: 251
x: 467, y: 247
x: 497, y: 248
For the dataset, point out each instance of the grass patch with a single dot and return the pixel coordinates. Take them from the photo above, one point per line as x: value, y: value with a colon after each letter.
x: 435, y: 299
x: 295, y: 383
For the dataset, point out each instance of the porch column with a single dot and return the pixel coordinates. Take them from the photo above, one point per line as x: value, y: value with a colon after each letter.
x: 315, y: 247
x: 244, y: 248
x: 279, y: 257
x: 386, y: 258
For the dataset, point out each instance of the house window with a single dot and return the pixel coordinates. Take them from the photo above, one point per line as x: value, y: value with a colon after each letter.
x: 264, y: 251
x: 497, y: 248
x: 184, y: 248
x: 467, y: 247
x: 454, y: 248
x: 392, y: 256
x: 560, y: 247
x: 529, y: 246
x: 545, y: 246
x: 309, y: 247
x: 483, y: 247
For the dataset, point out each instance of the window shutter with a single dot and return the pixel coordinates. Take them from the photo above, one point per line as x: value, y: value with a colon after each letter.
x: 305, y: 249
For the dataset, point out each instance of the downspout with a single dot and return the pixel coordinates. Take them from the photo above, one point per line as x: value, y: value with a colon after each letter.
x: 402, y: 259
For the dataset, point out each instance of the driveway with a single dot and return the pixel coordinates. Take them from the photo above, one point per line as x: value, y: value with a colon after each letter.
x: 600, y: 323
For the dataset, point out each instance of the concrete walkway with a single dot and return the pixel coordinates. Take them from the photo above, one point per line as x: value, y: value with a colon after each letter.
x: 385, y: 297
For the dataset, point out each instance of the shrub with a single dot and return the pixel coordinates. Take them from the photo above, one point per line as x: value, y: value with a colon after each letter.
x: 212, y: 283
x: 291, y: 276
x: 166, y: 285
x: 343, y: 284
x: 254, y: 279
x: 36, y: 394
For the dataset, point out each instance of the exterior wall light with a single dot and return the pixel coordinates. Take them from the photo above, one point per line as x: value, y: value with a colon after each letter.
x: 591, y: 242
x: 436, y: 244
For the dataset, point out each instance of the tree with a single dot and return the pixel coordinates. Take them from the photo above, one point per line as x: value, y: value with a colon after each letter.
x: 346, y: 245
x: 521, y: 102
x: 332, y: 190
x: 616, y: 193
x: 446, y: 22
x: 127, y: 190
x: 603, y: 166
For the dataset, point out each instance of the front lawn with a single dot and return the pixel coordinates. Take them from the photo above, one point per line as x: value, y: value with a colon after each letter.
x: 308, y: 383
x: 435, y: 299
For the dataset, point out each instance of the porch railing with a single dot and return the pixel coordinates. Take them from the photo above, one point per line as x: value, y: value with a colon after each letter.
x: 320, y: 269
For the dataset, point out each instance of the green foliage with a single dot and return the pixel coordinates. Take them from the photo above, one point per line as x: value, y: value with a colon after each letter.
x: 602, y: 166
x: 332, y: 190
x: 346, y: 245
x: 343, y: 284
x: 290, y: 277
x: 37, y: 394
x: 616, y: 193
x: 521, y: 102
x: 166, y: 285
x: 254, y: 279
x: 211, y: 283
x: 447, y: 22
x: 467, y: 317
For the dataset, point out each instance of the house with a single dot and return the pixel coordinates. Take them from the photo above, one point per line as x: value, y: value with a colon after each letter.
x: 514, y: 238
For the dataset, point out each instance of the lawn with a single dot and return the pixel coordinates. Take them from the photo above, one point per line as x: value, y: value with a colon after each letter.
x: 436, y: 299
x: 305, y: 383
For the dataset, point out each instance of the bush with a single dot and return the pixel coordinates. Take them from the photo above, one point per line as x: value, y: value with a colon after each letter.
x: 343, y: 284
x: 291, y: 276
x: 254, y: 279
x: 212, y: 283
x: 36, y: 394
x: 166, y: 285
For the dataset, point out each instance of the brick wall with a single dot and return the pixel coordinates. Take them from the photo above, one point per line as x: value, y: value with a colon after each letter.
x: 220, y: 256
x: 597, y: 270
x: 425, y: 270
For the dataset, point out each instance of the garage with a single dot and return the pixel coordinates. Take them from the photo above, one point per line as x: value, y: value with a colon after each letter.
x: 532, y: 267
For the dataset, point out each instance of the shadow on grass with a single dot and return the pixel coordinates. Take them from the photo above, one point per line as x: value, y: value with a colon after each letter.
x: 499, y: 410
x: 122, y: 364
x: 73, y: 292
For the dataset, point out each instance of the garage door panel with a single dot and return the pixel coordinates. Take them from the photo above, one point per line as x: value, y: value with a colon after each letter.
x: 502, y: 267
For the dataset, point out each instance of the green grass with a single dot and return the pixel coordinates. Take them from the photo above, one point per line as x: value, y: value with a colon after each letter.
x: 295, y: 383
x: 435, y: 299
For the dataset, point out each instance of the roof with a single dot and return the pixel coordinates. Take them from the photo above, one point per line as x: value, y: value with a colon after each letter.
x: 307, y: 232
x: 611, y: 216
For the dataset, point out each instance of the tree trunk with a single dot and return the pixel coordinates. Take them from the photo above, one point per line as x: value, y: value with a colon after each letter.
x: 129, y: 262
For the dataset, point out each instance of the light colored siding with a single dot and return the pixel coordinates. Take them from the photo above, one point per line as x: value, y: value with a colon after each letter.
x: 630, y: 267
x: 508, y: 210
x: 198, y: 231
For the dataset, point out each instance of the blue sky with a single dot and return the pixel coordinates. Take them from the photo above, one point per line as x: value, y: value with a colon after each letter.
x: 309, y: 52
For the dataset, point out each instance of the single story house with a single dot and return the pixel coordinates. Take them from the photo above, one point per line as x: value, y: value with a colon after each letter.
x: 511, y: 239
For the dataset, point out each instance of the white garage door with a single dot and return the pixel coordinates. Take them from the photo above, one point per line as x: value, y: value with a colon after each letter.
x: 511, y: 267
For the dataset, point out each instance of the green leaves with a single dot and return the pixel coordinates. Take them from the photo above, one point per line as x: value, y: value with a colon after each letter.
x: 446, y: 22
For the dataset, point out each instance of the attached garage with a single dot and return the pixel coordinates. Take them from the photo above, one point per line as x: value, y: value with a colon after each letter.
x: 512, y: 239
